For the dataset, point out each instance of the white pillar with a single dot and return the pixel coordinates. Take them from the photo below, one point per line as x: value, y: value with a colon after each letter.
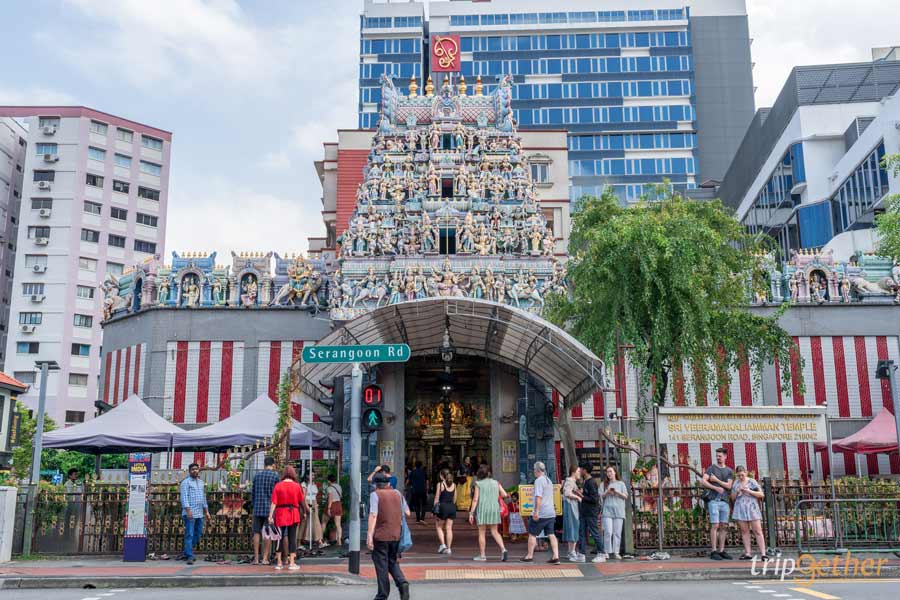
x: 7, y: 521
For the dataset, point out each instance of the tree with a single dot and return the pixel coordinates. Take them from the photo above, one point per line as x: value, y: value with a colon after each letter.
x: 888, y: 223
x: 23, y: 454
x: 667, y: 282
x: 281, y: 437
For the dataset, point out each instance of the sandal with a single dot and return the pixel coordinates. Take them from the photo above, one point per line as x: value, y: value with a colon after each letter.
x: 745, y: 557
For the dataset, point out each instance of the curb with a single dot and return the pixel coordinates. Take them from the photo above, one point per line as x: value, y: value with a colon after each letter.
x: 176, y: 581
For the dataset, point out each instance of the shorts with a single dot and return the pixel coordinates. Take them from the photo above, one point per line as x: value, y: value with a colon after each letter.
x: 545, y: 526
x: 258, y: 523
x: 718, y: 511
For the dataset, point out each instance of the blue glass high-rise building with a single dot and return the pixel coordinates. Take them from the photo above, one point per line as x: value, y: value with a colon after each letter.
x: 647, y: 89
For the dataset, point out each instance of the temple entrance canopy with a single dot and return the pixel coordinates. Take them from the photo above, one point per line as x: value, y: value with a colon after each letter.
x: 502, y: 333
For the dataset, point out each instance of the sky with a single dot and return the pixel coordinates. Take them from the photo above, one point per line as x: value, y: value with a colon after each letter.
x: 252, y: 89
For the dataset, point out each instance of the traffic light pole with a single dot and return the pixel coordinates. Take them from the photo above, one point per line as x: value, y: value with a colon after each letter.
x: 355, y: 467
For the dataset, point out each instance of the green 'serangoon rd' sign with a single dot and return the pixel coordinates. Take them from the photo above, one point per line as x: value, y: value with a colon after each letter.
x: 349, y: 354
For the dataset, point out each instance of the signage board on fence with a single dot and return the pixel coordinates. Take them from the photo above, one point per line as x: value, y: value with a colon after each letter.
x: 727, y: 424
x: 526, y: 499
x: 135, y: 546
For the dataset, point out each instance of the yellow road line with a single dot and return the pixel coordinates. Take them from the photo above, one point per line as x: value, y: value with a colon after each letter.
x: 815, y: 594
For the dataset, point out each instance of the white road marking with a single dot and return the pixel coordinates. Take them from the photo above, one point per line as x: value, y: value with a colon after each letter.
x: 752, y: 587
x: 782, y: 596
x: 766, y: 591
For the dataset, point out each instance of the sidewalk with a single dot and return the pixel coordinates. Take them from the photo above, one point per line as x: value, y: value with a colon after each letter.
x: 111, y: 572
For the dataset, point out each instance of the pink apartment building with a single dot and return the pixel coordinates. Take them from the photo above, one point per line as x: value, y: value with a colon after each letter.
x: 94, y: 200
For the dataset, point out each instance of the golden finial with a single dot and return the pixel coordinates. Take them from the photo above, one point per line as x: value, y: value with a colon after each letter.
x: 479, y: 87
x: 429, y: 88
x: 413, y: 87
x: 462, y: 85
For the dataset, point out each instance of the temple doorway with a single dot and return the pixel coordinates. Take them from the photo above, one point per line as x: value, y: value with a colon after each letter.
x: 448, y: 413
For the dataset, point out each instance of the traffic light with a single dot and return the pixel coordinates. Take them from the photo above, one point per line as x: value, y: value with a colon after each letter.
x: 372, y: 405
x: 335, y: 403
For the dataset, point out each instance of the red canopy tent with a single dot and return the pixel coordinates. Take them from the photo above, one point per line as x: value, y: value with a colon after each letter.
x: 878, y: 437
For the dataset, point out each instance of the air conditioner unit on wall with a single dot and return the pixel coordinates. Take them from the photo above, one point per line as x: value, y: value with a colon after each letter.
x: 45, y: 212
x: 39, y: 268
x: 38, y: 298
x: 27, y: 328
x: 49, y: 129
x: 44, y: 185
x: 51, y: 157
x: 41, y: 241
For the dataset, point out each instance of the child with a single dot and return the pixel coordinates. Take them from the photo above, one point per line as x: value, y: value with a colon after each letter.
x: 516, y: 524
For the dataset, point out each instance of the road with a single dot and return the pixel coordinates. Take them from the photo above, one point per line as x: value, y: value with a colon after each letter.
x: 860, y: 589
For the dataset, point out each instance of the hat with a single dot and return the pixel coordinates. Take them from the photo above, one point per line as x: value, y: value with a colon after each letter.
x: 381, y: 479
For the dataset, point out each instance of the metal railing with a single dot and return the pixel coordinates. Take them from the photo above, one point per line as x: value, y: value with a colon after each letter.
x: 834, y: 525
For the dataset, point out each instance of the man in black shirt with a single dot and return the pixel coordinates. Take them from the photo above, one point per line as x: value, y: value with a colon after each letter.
x: 418, y: 490
x: 588, y: 511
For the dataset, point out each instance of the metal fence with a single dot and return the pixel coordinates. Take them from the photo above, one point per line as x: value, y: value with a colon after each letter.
x: 795, y: 513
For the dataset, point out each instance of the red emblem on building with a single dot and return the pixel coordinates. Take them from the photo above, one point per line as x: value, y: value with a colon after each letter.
x: 445, y: 54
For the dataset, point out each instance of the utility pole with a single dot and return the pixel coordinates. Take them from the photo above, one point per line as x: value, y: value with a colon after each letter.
x: 888, y: 370
x: 355, y: 466
x: 38, y: 446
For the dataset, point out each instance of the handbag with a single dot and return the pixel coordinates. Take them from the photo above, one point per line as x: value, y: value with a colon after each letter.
x: 504, y: 509
x: 272, y: 534
x: 405, y: 536
x: 337, y: 508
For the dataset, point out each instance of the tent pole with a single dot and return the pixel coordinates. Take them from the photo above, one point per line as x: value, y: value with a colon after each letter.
x: 97, y: 465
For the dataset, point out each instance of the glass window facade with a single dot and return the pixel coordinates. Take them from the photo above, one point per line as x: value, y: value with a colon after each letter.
x: 859, y: 193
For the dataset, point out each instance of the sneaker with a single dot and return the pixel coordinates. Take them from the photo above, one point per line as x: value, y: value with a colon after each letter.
x: 600, y: 558
x: 577, y: 558
x: 294, y: 568
x: 617, y: 556
x: 725, y: 556
x: 480, y: 559
x: 715, y: 556
x: 279, y: 568
x: 526, y: 559
x: 442, y: 548
x: 745, y: 557
x: 404, y: 591
x: 504, y: 557
x: 448, y: 551
x: 190, y: 561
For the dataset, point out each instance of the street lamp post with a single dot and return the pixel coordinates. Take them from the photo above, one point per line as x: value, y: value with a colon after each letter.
x: 888, y: 370
x: 45, y: 366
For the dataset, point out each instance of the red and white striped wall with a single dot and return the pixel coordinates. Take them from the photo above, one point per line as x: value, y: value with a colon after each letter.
x: 123, y: 373
x: 275, y: 359
x: 204, y: 384
x: 839, y: 371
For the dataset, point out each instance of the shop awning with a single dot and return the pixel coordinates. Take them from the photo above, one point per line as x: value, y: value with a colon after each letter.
x: 131, y: 426
x: 493, y: 331
x: 254, y: 423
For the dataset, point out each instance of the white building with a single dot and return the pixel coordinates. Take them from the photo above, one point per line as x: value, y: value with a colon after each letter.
x: 94, y: 204
x: 12, y: 166
x: 808, y: 172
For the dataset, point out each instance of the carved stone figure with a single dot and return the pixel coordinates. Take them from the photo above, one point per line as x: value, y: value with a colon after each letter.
x: 162, y: 290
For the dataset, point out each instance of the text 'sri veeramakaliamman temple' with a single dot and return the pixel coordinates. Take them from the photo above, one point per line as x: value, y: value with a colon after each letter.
x: 448, y: 246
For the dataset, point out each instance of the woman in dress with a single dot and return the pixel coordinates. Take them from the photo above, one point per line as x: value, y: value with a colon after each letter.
x: 747, y: 493
x: 312, y: 527
x: 334, y: 509
x: 485, y: 510
x: 445, y: 511
x: 571, y: 500
x: 284, y: 513
x: 614, y: 495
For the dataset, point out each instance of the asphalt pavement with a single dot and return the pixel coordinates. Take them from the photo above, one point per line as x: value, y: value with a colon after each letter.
x: 857, y: 589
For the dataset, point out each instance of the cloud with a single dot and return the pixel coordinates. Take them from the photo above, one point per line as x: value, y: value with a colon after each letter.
x: 219, y: 215
x: 813, y: 32
x: 275, y: 161
x: 35, y: 96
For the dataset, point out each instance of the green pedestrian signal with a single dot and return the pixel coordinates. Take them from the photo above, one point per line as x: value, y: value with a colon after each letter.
x: 373, y: 420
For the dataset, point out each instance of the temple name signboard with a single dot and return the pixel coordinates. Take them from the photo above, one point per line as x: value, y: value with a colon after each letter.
x: 727, y: 424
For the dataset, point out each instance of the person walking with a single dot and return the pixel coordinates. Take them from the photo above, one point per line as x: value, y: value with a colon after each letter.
x: 614, y: 494
x: 334, y: 509
x: 543, y: 519
x: 312, y: 526
x: 386, y: 509
x: 417, y: 481
x: 445, y: 511
x: 485, y: 511
x: 193, y: 510
x: 263, y: 484
x: 589, y: 510
x: 571, y: 502
x: 386, y: 471
x: 718, y: 479
x: 747, y: 493
x: 284, y: 513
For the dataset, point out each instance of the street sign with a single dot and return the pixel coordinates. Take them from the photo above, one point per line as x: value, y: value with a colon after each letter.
x: 377, y: 353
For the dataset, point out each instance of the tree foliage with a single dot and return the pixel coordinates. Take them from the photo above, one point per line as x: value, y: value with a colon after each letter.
x: 281, y: 435
x: 888, y: 223
x: 670, y: 281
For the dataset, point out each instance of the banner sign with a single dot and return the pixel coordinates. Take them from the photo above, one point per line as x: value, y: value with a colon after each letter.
x: 526, y: 499
x: 509, y: 456
x: 726, y: 424
x: 445, y: 54
x: 386, y: 453
x: 135, y: 547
